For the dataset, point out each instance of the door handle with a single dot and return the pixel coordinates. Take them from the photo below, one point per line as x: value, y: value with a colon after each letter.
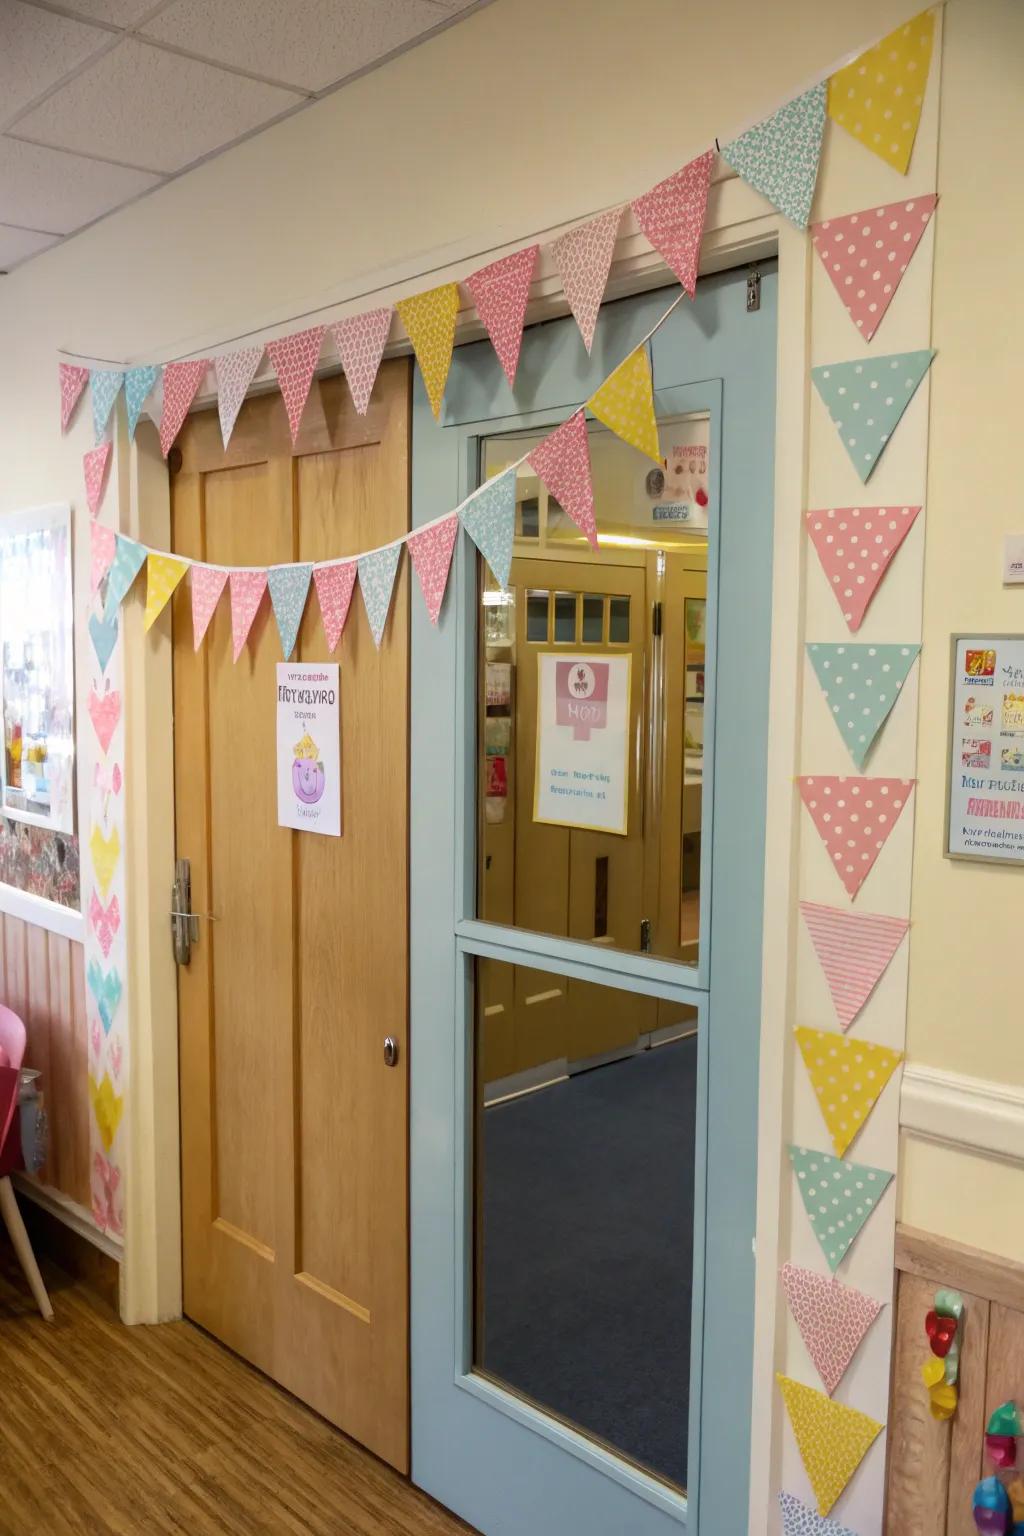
x: 390, y: 1051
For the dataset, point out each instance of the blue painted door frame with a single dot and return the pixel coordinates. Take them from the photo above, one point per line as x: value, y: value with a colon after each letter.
x: 502, y: 1465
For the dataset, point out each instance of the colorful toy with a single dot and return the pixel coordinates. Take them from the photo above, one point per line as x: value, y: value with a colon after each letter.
x: 1001, y: 1435
x: 941, y: 1371
x: 991, y: 1507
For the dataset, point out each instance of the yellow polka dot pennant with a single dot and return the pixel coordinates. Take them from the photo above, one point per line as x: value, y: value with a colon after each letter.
x: 429, y: 319
x: 831, y: 1438
x: 625, y: 403
x: 162, y: 576
x: 848, y: 1076
x: 878, y: 97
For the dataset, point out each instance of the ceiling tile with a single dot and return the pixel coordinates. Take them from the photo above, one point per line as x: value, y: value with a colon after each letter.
x: 119, y: 13
x: 145, y: 107
x: 45, y: 189
x: 19, y: 244
x: 38, y: 48
x: 308, y: 43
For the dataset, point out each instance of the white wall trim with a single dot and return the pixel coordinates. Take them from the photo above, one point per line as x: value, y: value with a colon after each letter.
x: 70, y: 1213
x: 41, y: 913
x: 969, y: 1112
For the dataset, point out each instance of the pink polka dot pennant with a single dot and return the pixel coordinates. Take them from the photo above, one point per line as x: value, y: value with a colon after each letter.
x: 181, y: 382
x: 855, y: 546
x: 207, y: 586
x: 72, y: 381
x: 671, y: 215
x: 246, y: 589
x: 334, y: 584
x: 562, y: 461
x: 360, y: 340
x: 294, y: 359
x: 854, y: 817
x: 501, y: 292
x: 833, y: 1319
x: 866, y: 255
x: 431, y: 552
x: 94, y: 465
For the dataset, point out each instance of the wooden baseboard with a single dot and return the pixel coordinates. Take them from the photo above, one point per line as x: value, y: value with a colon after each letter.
x: 52, y: 1239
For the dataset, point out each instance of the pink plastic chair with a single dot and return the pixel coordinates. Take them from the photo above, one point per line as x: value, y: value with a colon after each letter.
x: 12, y: 1053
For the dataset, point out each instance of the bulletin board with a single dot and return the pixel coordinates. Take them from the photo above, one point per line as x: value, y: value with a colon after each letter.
x: 985, y: 774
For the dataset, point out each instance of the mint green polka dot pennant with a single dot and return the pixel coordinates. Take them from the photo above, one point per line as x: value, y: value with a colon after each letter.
x: 288, y: 585
x: 861, y: 684
x: 839, y: 1197
x: 490, y: 521
x: 867, y: 399
x: 129, y: 558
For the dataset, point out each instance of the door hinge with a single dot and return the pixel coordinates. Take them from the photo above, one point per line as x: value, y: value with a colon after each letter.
x: 656, y: 618
x: 645, y: 935
x: 753, y: 291
x: 184, y: 922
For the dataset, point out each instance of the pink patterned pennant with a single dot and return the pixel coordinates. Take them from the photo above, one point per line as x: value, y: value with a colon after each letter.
x: 207, y: 586
x: 583, y: 258
x: 181, y: 382
x: 105, y: 921
x: 562, y: 461
x: 334, y: 587
x: 247, y: 589
x: 866, y: 254
x: 854, y: 816
x: 360, y: 340
x: 235, y: 372
x: 295, y: 359
x: 832, y: 1318
x: 672, y: 214
x: 431, y: 551
x: 72, y: 381
x: 501, y: 292
x: 103, y: 545
x: 854, y: 949
x: 104, y: 712
x: 94, y: 465
x: 855, y: 546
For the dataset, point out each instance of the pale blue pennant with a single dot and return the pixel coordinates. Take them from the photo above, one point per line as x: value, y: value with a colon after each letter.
x: 138, y: 383
x: 104, y: 384
x: 490, y: 521
x: 867, y: 399
x: 838, y: 1197
x: 103, y: 633
x: 129, y: 558
x: 779, y: 157
x: 288, y: 585
x: 376, y: 583
x: 861, y: 684
x: 105, y: 987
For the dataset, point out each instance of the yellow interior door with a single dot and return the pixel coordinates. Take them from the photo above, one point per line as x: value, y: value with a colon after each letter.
x: 294, y: 1130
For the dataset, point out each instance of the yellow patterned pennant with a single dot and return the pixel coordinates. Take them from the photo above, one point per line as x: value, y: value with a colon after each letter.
x: 162, y: 576
x: 847, y: 1076
x: 830, y: 1437
x: 878, y: 97
x: 107, y: 1108
x: 105, y: 853
x: 625, y: 403
x: 429, y: 319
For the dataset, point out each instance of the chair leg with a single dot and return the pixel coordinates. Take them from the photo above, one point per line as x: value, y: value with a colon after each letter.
x: 23, y: 1248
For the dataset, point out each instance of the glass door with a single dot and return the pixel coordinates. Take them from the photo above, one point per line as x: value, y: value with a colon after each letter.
x: 586, y: 914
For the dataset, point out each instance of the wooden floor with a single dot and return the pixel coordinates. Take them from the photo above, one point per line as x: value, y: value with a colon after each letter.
x: 137, y: 1431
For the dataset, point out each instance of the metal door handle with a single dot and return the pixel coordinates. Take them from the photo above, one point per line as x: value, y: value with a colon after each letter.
x: 390, y: 1051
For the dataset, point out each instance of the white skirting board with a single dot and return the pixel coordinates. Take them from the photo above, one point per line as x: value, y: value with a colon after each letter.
x: 968, y: 1112
x: 70, y: 1213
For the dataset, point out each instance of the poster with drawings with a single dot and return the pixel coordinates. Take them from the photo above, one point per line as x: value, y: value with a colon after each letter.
x: 308, y: 748
x: 986, y: 768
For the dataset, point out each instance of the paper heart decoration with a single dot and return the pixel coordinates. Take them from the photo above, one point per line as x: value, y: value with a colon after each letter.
x: 104, y: 712
x: 106, y: 1180
x: 941, y: 1332
x: 96, y: 1038
x: 107, y: 1108
x: 107, y: 782
x: 116, y: 1057
x: 105, y: 921
x: 1001, y: 1450
x: 105, y: 853
x: 103, y: 633
x: 105, y: 987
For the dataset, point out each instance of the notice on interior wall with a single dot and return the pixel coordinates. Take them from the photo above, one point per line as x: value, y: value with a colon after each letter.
x: 309, y: 748
x: 677, y: 492
x: 582, y: 741
x: 986, y: 769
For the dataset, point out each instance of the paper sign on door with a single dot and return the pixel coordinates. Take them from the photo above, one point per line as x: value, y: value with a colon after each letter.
x: 308, y: 748
x: 582, y: 741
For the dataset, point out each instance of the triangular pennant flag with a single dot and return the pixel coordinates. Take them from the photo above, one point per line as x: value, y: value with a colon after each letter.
x: 94, y: 466
x: 866, y: 254
x: 625, y: 403
x: 562, y: 461
x: 294, y: 359
x: 490, y: 520
x: 207, y: 586
x: 360, y: 340
x: 104, y: 384
x: 334, y: 585
x: 72, y: 381
x: 429, y: 318
x: 501, y: 292
x: 779, y: 157
x: 234, y: 371
x: 129, y: 558
x: 853, y: 949
x: 431, y: 552
x: 181, y: 383
x: 848, y: 1076
x: 671, y: 215
x: 288, y: 585
x: 583, y: 259
x: 799, y: 1520
x: 839, y: 1197
x: 861, y: 684
x: 103, y: 544
x: 832, y: 1318
x: 831, y: 1438
x: 376, y: 583
x: 138, y: 382
x: 103, y: 634
x: 854, y: 816
x: 867, y: 399
x: 163, y: 572
x: 878, y: 97
x: 247, y: 589
x: 855, y: 546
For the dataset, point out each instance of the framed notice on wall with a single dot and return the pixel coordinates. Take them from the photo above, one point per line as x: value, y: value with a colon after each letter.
x: 985, y: 788
x: 582, y: 777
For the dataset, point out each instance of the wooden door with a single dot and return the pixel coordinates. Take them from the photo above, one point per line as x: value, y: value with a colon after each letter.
x: 294, y: 1131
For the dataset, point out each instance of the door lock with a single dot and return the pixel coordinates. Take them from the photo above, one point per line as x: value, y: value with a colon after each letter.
x: 390, y: 1051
